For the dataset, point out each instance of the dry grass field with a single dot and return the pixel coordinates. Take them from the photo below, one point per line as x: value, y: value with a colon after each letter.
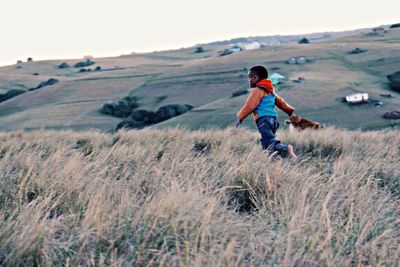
x: 205, y: 198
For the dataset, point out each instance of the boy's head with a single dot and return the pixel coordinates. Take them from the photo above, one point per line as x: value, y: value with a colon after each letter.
x: 256, y: 74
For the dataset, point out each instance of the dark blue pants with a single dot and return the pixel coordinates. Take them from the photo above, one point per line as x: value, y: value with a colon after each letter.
x: 267, y: 127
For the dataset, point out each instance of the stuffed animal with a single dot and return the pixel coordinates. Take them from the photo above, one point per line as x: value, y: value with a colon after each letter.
x: 298, y: 123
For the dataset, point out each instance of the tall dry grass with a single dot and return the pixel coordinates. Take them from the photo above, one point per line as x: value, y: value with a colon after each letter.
x: 206, y: 198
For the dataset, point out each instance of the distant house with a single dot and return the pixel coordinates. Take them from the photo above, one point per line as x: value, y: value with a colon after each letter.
x: 357, y: 98
x: 301, y: 60
x: 276, y: 78
x: 292, y: 60
x: 379, y: 30
x: 252, y: 46
x: 297, y: 60
x: 235, y: 48
x: 19, y: 62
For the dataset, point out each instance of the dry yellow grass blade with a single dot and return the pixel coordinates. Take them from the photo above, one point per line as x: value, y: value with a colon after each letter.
x: 204, y: 198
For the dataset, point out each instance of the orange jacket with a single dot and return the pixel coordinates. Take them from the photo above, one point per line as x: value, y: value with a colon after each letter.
x: 255, y: 97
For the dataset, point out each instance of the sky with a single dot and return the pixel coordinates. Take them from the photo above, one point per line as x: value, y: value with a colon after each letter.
x: 55, y: 29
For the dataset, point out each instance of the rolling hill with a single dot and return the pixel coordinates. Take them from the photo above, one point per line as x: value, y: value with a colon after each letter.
x: 206, y: 81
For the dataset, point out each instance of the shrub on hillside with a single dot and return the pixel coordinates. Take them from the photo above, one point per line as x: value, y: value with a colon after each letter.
x: 142, y: 117
x: 130, y: 124
x: 392, y: 115
x: 10, y: 94
x: 225, y: 52
x: 63, y: 65
x: 199, y: 49
x: 85, y: 63
x: 397, y: 25
x: 120, y: 108
x: 394, y: 81
x: 304, y: 41
x: 49, y: 82
x: 169, y: 111
x: 357, y: 50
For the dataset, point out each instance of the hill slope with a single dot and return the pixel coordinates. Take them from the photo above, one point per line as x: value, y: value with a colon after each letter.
x: 207, y: 198
x: 206, y: 81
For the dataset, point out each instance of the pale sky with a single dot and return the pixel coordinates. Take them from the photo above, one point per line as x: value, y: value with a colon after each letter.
x: 55, y: 29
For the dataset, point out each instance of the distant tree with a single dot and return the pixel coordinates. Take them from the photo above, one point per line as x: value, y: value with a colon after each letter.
x: 83, y: 64
x: 225, y: 52
x: 394, y: 81
x: 357, y: 50
x: 304, y: 41
x: 29, y: 59
x: 10, y: 94
x: 49, y: 82
x: 397, y: 25
x: 63, y: 65
x: 199, y: 49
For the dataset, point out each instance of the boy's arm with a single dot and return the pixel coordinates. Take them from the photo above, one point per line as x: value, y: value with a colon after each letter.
x: 251, y: 103
x: 281, y: 103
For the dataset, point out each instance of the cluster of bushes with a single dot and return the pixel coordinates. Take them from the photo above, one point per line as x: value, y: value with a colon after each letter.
x: 199, y: 49
x: 394, y: 81
x: 225, y: 52
x: 120, y: 108
x: 397, y: 25
x: 63, y: 65
x: 10, y: 94
x: 98, y: 68
x: 141, y: 117
x: 304, y: 41
x: 85, y: 63
x: 357, y: 51
x: 49, y: 82
x: 392, y: 115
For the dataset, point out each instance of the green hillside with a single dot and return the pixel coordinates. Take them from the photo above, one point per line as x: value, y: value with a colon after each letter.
x: 206, y: 81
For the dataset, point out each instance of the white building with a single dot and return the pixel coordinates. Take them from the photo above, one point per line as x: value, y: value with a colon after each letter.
x: 301, y: 60
x: 292, y: 60
x: 235, y: 48
x: 252, y: 46
x: 357, y: 98
x: 277, y: 78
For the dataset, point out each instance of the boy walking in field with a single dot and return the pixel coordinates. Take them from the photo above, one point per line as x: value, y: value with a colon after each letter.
x: 261, y: 102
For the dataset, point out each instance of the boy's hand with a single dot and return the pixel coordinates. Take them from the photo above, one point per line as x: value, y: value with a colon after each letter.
x: 294, y: 118
x: 238, y: 123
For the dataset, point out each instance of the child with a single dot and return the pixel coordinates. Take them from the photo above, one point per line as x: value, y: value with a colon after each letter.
x: 261, y: 102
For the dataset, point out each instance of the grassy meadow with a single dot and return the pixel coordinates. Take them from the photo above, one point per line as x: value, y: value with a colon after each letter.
x: 206, y: 81
x: 174, y: 197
